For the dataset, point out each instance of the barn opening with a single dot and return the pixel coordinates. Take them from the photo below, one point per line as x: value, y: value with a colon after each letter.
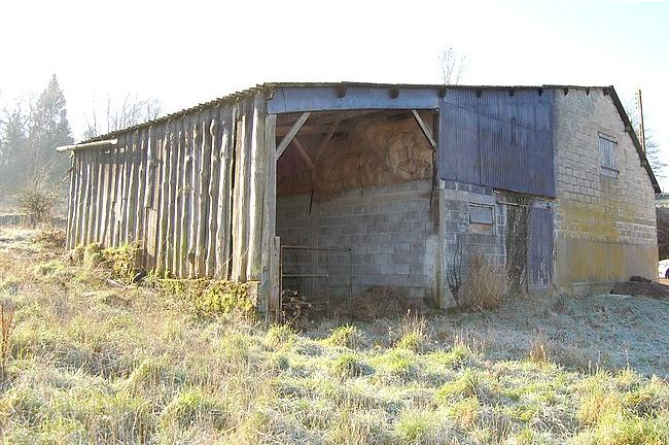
x: 355, y: 206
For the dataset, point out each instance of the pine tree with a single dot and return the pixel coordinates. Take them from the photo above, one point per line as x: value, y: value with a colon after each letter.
x: 49, y: 128
x: 14, y: 153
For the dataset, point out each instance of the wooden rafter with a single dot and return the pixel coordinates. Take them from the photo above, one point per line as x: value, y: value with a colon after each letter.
x: 301, y: 149
x: 291, y: 134
x: 326, y: 140
x: 424, y: 129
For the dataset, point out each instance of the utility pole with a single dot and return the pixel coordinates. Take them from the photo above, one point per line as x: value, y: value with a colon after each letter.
x: 641, y: 132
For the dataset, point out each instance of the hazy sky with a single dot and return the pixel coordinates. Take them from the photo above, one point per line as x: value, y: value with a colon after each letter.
x: 188, y: 52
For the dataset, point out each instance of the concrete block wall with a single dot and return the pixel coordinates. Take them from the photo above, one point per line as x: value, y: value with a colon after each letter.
x: 605, y: 228
x: 455, y: 199
x: 390, y: 229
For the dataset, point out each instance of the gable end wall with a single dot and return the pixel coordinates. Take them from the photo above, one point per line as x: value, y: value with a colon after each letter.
x: 605, y: 228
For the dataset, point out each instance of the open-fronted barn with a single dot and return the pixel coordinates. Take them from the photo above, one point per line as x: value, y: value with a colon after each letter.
x: 335, y: 188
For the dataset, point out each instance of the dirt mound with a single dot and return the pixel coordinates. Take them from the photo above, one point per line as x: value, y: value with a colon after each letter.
x: 378, y: 302
x: 640, y: 286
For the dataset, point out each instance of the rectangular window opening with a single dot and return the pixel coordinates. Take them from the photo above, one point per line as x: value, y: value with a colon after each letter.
x: 607, y: 146
x: 482, y: 219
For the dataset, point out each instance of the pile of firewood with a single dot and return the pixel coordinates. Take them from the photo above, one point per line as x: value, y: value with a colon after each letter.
x: 294, y: 306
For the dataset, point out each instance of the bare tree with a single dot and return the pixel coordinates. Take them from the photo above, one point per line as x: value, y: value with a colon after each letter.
x: 453, y: 65
x: 120, y: 114
x: 653, y: 150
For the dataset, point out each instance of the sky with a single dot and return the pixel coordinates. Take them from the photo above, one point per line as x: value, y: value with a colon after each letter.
x: 185, y: 53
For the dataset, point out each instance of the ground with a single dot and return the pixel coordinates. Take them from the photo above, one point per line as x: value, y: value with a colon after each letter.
x: 94, y: 361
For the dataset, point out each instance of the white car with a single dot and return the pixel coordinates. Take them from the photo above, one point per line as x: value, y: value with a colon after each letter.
x: 664, y: 269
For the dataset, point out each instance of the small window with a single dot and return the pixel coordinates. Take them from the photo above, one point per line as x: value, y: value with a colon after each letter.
x: 481, y: 219
x: 608, y: 162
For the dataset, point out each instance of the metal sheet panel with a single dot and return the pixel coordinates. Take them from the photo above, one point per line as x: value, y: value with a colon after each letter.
x: 498, y: 138
x: 302, y: 99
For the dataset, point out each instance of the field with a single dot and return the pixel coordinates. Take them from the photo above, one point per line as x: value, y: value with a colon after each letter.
x: 92, y: 361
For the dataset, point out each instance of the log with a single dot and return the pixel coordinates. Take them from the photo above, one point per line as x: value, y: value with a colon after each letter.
x: 131, y: 190
x: 194, y: 148
x: 203, y: 196
x: 70, y: 203
x: 229, y: 129
x: 163, y: 207
x: 140, y: 210
x: 241, y: 198
x: 213, y: 191
x: 186, y: 191
x: 170, y: 210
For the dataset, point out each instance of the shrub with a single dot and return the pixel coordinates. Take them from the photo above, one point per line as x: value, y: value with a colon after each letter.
x: 348, y: 366
x: 414, y: 333
x: 225, y: 298
x: 37, y: 199
x: 463, y: 387
x: 345, y: 336
x: 485, y: 286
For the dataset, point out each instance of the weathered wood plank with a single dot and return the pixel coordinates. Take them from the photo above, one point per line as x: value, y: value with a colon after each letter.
x: 213, y: 191
x: 143, y: 146
x: 240, y: 196
x: 257, y: 178
x: 194, y: 148
x: 203, y: 210
x: 224, y: 231
x: 179, y: 197
x: 171, y: 208
x: 163, y: 209
x: 186, y: 191
x: 131, y: 190
x: 269, y: 264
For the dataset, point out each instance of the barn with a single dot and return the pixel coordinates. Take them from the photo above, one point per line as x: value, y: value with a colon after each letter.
x: 334, y: 188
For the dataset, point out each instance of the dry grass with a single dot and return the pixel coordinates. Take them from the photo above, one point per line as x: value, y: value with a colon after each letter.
x: 89, y: 364
x: 485, y: 286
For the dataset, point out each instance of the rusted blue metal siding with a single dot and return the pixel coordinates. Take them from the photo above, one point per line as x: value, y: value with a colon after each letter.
x: 498, y: 138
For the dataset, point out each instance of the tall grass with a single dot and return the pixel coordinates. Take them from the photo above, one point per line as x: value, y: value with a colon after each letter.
x: 88, y: 364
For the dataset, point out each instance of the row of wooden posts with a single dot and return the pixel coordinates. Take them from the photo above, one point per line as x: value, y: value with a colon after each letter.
x: 196, y: 192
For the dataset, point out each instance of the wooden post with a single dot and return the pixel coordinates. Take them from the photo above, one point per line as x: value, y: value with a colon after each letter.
x: 240, y: 203
x: 270, y: 252
x: 257, y: 178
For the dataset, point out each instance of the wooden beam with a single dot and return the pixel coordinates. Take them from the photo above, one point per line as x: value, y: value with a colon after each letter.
x: 301, y: 149
x: 291, y: 134
x: 424, y: 129
x: 326, y: 140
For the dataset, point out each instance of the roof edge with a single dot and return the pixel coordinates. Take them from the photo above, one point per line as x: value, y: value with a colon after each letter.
x: 633, y: 136
x: 268, y: 86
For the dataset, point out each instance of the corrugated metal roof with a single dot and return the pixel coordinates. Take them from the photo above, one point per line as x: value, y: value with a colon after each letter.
x: 271, y: 86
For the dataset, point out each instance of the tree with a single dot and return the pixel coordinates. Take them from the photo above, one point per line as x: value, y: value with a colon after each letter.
x: 49, y: 128
x: 453, y: 65
x: 119, y: 115
x: 14, y: 148
x: 653, y: 149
